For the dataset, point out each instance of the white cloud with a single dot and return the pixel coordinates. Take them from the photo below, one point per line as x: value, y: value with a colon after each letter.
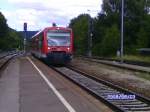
x: 41, y: 13
x: 27, y: 1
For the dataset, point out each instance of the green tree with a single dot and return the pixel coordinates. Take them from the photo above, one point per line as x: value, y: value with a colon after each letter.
x: 110, y: 42
x: 3, y: 26
x: 136, y: 18
x: 106, y: 33
x: 80, y: 29
x: 143, y: 39
x: 9, y: 38
x: 14, y: 39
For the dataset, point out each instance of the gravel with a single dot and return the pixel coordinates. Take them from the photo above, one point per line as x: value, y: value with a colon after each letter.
x: 124, y: 78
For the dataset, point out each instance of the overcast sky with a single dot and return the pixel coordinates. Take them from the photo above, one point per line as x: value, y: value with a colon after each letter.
x: 41, y: 13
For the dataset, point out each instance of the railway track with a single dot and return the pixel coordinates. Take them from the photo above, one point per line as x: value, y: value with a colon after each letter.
x: 117, y: 98
x: 127, y: 66
x: 3, y: 55
x: 6, y: 58
x: 139, y: 63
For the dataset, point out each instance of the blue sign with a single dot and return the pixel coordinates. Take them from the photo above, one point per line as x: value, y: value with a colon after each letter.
x: 121, y: 97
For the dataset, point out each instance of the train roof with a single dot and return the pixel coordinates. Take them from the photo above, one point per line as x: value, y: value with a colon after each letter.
x: 52, y: 28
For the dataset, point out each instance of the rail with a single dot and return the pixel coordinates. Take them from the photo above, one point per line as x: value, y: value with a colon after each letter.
x: 119, y: 65
x: 104, y: 91
x: 4, y: 59
x: 139, y: 63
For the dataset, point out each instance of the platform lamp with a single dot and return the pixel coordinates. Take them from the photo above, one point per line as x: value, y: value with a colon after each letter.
x: 90, y: 35
x: 122, y: 32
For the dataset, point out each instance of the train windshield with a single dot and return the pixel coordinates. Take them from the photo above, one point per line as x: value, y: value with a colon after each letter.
x: 58, y: 38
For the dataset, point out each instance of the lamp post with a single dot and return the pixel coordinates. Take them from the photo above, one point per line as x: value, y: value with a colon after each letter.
x: 90, y: 35
x: 122, y: 31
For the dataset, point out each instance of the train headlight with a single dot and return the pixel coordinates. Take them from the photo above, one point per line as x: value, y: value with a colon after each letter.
x: 68, y: 48
x: 49, y: 48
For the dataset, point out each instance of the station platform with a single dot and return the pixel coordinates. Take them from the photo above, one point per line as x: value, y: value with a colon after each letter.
x: 28, y: 85
x: 123, y: 65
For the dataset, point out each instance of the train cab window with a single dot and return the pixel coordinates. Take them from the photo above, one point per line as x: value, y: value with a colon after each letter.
x: 58, y: 38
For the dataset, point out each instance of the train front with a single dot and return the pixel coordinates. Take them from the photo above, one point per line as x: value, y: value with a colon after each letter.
x: 60, y: 45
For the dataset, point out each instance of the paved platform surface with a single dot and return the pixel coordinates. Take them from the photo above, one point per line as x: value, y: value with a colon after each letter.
x: 9, y: 89
x: 22, y: 89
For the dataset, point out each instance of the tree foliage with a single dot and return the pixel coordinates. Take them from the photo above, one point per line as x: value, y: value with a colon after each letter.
x: 3, y: 26
x: 106, y: 33
x: 9, y: 38
x: 80, y: 29
x: 111, y: 37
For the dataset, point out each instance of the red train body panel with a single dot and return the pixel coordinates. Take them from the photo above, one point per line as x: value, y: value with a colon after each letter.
x: 53, y: 44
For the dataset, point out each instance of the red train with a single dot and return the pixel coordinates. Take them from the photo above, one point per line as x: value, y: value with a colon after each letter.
x: 53, y: 44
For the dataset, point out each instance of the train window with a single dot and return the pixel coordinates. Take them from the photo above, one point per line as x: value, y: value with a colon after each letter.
x: 58, y: 38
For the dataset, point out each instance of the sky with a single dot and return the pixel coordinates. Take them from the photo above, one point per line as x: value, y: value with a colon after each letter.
x: 42, y: 13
